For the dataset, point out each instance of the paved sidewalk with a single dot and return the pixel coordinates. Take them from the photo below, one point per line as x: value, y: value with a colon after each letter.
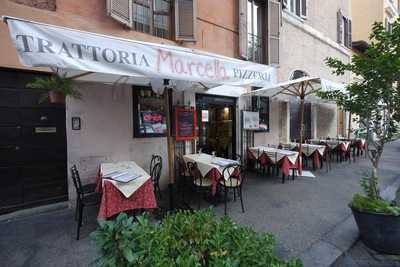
x: 299, y: 213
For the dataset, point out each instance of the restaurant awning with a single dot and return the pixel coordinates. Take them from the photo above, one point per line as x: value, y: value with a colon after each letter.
x: 44, y: 45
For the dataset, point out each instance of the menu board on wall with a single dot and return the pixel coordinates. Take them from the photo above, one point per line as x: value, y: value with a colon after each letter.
x: 185, y: 123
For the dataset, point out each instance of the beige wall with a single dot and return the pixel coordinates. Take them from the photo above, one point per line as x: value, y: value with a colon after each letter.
x: 365, y: 13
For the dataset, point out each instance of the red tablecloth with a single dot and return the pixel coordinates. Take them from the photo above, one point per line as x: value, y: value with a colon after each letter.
x: 114, y: 202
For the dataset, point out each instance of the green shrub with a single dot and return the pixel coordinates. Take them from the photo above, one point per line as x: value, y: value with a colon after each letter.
x: 366, y: 204
x: 184, y: 240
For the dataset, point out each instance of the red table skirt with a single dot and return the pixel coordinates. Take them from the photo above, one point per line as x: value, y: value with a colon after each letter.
x: 114, y: 202
x: 284, y: 163
x: 360, y: 145
x: 214, y: 174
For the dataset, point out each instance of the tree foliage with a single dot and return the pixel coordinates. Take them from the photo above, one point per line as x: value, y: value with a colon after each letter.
x: 374, y: 93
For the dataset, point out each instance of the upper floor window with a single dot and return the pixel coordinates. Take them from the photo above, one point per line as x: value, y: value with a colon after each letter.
x: 156, y: 17
x: 388, y: 25
x: 297, y: 74
x: 259, y: 30
x: 296, y: 7
x: 255, y: 29
x: 344, y: 28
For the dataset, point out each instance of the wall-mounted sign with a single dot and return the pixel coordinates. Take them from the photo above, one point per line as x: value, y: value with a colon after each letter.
x: 204, y: 115
x: 45, y: 129
x: 251, y: 120
x: 185, y: 123
x: 76, y: 123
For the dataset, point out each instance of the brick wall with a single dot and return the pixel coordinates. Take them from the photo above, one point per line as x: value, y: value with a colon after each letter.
x: 42, y: 4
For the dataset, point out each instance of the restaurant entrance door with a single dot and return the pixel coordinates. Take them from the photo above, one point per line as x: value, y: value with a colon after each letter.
x: 33, y: 151
x: 216, y: 121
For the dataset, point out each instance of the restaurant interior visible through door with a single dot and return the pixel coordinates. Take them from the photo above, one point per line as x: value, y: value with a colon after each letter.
x: 216, y: 122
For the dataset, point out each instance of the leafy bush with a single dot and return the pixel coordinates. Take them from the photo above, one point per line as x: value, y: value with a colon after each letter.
x: 184, y: 240
x: 366, y: 204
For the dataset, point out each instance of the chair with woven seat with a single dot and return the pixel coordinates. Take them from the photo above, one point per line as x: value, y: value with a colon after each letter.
x: 155, y: 173
x: 232, y: 179
x: 200, y: 184
x: 85, y: 196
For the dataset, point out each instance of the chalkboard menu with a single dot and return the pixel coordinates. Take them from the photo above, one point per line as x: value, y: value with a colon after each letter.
x: 185, y: 123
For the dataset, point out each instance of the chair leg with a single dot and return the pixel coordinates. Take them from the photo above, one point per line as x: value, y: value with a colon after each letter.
x: 76, y: 208
x: 241, y: 198
x: 159, y: 191
x: 283, y: 178
x: 234, y: 194
x: 226, y: 197
x: 79, y: 221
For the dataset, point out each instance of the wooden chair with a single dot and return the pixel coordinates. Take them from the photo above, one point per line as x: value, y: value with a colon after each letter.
x: 201, y: 185
x: 232, y: 179
x: 85, y: 196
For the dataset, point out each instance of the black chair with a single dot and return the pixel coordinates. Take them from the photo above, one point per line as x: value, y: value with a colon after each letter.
x: 155, y: 178
x: 154, y: 160
x: 85, y: 196
x: 237, y: 157
x: 200, y: 184
x: 184, y: 177
x: 232, y: 178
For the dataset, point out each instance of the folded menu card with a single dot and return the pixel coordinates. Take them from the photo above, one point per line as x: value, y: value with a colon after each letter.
x: 122, y: 176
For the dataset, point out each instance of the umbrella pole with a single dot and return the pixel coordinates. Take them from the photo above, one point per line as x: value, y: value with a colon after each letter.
x: 170, y: 148
x: 301, y: 132
x: 349, y: 130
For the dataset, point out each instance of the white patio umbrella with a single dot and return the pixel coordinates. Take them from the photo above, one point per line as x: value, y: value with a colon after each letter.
x: 300, y: 88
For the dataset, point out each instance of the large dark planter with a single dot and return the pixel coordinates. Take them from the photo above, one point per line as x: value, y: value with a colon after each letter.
x: 56, y: 97
x: 379, y: 232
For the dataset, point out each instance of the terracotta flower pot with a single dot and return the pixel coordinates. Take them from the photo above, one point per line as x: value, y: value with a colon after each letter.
x: 56, y: 97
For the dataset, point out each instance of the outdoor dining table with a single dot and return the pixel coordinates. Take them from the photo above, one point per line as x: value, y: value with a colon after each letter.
x: 286, y: 158
x: 313, y: 151
x: 208, y: 168
x: 340, y: 145
x: 120, y: 196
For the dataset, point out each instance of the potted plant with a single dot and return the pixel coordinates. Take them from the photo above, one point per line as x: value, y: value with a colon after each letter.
x: 184, y: 239
x: 55, y: 88
x: 375, y: 98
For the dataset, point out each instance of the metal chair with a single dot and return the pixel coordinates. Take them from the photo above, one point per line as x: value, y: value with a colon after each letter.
x: 155, y: 178
x: 200, y: 184
x: 154, y: 160
x: 232, y: 178
x: 85, y: 196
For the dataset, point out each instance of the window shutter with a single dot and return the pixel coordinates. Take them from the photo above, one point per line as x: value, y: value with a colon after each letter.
x: 185, y: 20
x: 346, y: 31
x: 121, y: 11
x: 243, y: 34
x: 274, y: 14
x: 303, y: 8
x: 298, y: 7
x: 339, y: 27
x: 350, y: 34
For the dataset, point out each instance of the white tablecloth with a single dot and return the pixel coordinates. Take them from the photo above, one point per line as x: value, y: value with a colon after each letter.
x: 127, y: 189
x: 308, y: 149
x: 275, y: 154
x: 332, y: 143
x: 204, y: 163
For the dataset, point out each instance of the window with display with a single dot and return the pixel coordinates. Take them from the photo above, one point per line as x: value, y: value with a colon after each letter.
x: 149, y: 113
x: 261, y: 104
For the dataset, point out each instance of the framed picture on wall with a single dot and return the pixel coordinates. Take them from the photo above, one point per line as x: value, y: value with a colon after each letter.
x: 149, y: 113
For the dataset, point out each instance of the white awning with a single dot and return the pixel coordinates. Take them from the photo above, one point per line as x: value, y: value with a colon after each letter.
x: 309, y: 86
x: 43, y: 45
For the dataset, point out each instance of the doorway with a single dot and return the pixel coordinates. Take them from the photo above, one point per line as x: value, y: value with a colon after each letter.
x: 217, y: 124
x: 33, y: 151
x: 295, y: 118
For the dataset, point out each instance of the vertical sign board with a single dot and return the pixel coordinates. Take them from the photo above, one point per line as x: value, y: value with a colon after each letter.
x: 185, y: 123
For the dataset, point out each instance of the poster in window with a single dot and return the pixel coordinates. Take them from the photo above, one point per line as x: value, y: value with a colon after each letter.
x: 149, y: 113
x: 185, y: 123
